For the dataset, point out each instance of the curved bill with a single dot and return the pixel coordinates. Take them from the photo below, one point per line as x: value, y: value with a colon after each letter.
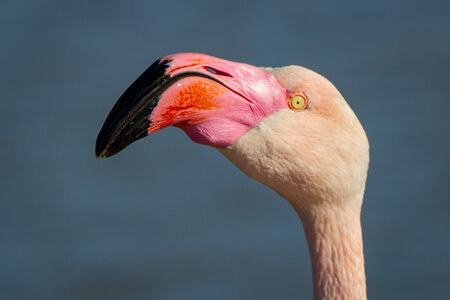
x: 211, y: 99
x: 129, y: 119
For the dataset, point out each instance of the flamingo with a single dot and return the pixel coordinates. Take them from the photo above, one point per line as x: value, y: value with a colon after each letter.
x: 287, y: 127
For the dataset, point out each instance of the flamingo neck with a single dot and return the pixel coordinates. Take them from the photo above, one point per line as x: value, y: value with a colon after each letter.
x: 336, y: 250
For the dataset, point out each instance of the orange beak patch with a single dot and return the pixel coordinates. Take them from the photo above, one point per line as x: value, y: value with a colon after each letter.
x: 189, y: 101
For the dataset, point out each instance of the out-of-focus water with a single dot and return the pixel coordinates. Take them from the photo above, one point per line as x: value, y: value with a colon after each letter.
x: 169, y: 219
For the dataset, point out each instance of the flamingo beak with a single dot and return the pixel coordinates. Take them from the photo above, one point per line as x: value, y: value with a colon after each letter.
x: 209, y: 98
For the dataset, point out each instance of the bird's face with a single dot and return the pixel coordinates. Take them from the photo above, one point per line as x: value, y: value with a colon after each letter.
x: 288, y: 127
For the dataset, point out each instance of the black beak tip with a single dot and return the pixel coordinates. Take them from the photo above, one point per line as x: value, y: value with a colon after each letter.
x: 100, y: 150
x: 105, y: 147
x: 99, y: 155
x: 128, y: 120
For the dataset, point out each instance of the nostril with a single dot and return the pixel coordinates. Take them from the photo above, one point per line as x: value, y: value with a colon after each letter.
x: 217, y: 72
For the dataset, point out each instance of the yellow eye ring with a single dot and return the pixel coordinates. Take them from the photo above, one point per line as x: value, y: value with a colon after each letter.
x: 298, y: 102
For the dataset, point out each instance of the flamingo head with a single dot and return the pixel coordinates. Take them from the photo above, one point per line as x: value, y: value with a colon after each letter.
x: 287, y: 127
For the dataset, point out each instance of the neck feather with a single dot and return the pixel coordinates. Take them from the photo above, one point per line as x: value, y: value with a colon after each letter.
x: 336, y: 249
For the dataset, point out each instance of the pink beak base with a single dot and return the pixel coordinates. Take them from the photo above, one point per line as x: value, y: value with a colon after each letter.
x: 218, y: 108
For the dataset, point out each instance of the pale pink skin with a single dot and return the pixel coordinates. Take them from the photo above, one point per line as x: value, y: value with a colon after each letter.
x: 316, y: 158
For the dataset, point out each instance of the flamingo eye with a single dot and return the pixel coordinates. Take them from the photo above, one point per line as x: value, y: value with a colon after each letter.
x: 298, y: 102
x: 217, y: 72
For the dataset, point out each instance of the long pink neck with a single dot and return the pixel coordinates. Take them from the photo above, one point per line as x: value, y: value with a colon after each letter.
x: 336, y: 249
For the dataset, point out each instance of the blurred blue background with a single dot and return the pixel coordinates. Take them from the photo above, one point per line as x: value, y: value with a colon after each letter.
x: 169, y: 219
